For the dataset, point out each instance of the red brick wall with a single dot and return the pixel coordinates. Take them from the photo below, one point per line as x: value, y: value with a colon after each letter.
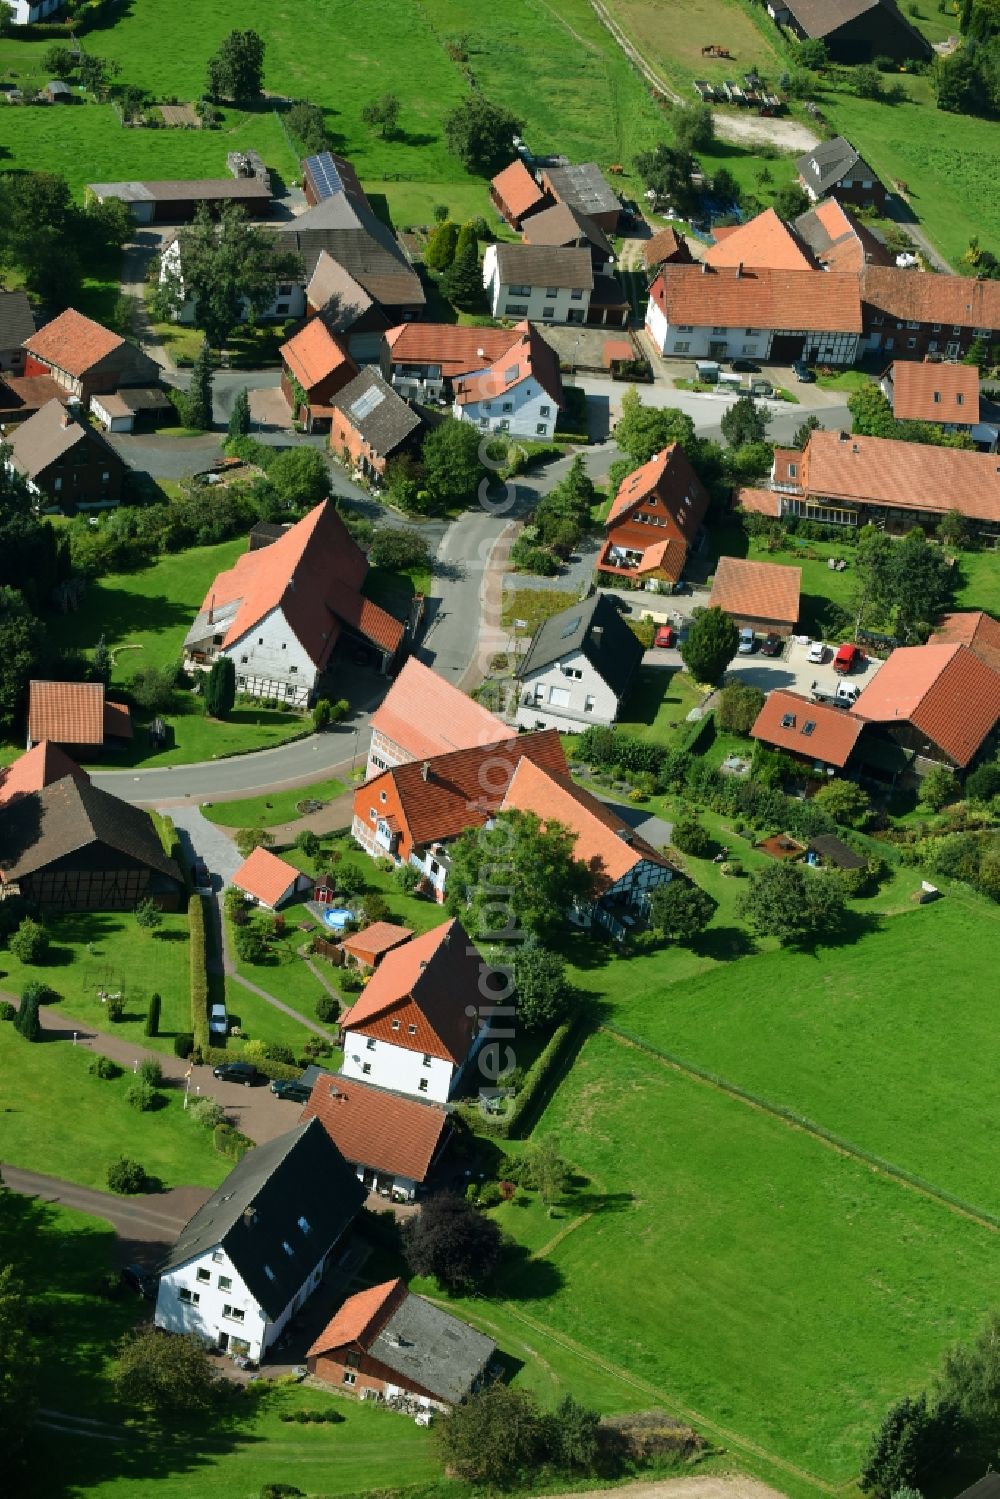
x: 343, y: 435
x: 371, y: 1375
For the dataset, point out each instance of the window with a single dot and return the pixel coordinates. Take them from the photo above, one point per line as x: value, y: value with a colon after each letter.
x: 718, y: 330
x: 422, y: 1085
x: 244, y: 660
x: 548, y: 312
x: 203, y: 1275
x: 218, y: 1256
x: 750, y: 332
x: 411, y: 1030
x: 519, y: 291
x: 305, y: 1225
x: 282, y: 307
x: 287, y: 1248
x: 588, y: 703
x: 225, y: 1283
x: 552, y: 291
x: 435, y: 867
x: 234, y: 1313
x: 749, y: 348
x: 867, y: 183
x: 957, y: 329
x: 292, y: 670
x: 559, y: 697
x: 516, y: 309
x: 105, y: 476
x: 545, y: 411
x: 371, y: 1043
x: 507, y: 406
x: 685, y: 327
x: 352, y: 1360
x: 395, y: 1025
x: 184, y: 1294
x: 373, y: 814
x: 366, y: 1069
x: 503, y: 426
x: 260, y: 640
x: 576, y: 296
x: 382, y: 796
x: 541, y: 429
x: 959, y: 398
x: 932, y: 347
x: 484, y: 421
x: 487, y: 405
x: 572, y: 671
x: 289, y: 689
x: 350, y: 1377
x: 427, y: 1059
x: 911, y: 323
x: 793, y: 470
x: 284, y: 647
x: 284, y: 291
x: 911, y: 343
x: 878, y: 321
x: 937, y: 398
x: 681, y: 348
x: 57, y: 484
x: 936, y: 328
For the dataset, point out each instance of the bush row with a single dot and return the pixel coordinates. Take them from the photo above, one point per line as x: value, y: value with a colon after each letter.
x: 167, y: 831
x: 229, y: 1142
x: 507, y: 1126
x: 199, y: 973
x: 213, y: 1056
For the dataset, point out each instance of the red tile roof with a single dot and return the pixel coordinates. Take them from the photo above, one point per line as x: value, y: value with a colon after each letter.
x: 266, y: 877
x: 73, y: 343
x: 667, y: 244
x: 927, y: 297
x: 370, y: 620
x: 458, y: 350
x: 935, y: 392
x: 946, y: 691
x: 314, y: 354
x: 759, y: 501
x: 831, y: 740
x: 462, y: 789
x: 764, y: 241
x: 808, y: 301
x: 381, y: 937
x: 516, y: 187
x: 976, y: 629
x: 372, y: 1127
x: 360, y: 1317
x: 439, y: 973
x: 852, y: 245
x: 670, y: 477
x: 901, y: 475
x: 36, y: 768
x: 530, y: 358
x: 117, y: 721
x: 66, y: 712
x: 426, y: 716
x: 757, y: 590
x: 606, y: 844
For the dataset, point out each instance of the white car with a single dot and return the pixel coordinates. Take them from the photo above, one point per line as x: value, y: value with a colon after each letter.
x: 817, y: 653
x: 747, y: 642
x: 846, y: 694
x: 218, y: 1023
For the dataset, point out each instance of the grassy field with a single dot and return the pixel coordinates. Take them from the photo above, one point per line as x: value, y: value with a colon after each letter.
x: 276, y: 807
x: 49, y: 1081
x: 407, y: 910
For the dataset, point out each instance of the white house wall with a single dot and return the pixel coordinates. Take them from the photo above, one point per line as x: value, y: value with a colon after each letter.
x: 566, y: 305
x: 686, y: 342
x: 556, y: 698
x: 397, y: 1068
x: 271, y: 661
x: 525, y: 411
x: 206, y: 1317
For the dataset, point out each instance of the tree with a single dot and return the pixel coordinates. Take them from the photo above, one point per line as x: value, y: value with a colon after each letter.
x: 871, y: 413
x: 198, y: 412
x: 868, y: 81
x: 148, y: 915
x: 644, y: 430
x: 101, y: 663
x: 321, y: 714
x: 20, y: 1357
x: 453, y: 468
x: 516, y: 871
x: 307, y: 123
x: 382, y: 115
x: 250, y: 943
x: 58, y: 61
x: 694, y: 128
x: 690, y: 836
x: 796, y: 905
x: 247, y: 839
x: 666, y: 171
x: 239, y: 418
x: 26, y: 1021
x: 739, y: 705
x: 399, y: 549
x: 745, y: 422
x: 954, y: 531
x: 680, y: 910
x: 710, y: 645
x: 938, y: 788
x: 440, y: 251
x: 984, y: 783
x: 790, y: 201
x: 299, y: 478
x: 497, y: 1437
x: 21, y: 644
x: 126, y: 1176
x: 152, y: 1027
x: 153, y: 688
x: 574, y: 1436
x: 228, y: 268
x: 481, y: 134
x: 969, y: 1386
x: 909, y: 1447
x: 814, y: 54
x: 453, y: 1242
x: 873, y: 575
x: 220, y: 687
x: 164, y: 1375
x: 542, y: 992
x: 236, y: 71
x: 845, y: 802
x: 802, y: 433
x: 30, y: 942
x: 920, y: 581
x: 462, y: 282
x: 308, y: 843
x: 96, y: 73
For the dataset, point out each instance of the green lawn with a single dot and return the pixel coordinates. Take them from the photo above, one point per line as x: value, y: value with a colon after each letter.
x: 93, y: 950
x: 285, y: 975
x: 268, y: 811
x: 979, y: 581
x: 407, y: 910
x: 659, y: 703
x: 60, y: 1120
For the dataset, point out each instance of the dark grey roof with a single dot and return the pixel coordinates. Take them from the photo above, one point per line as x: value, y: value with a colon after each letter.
x: 824, y: 166
x: 822, y: 18
x: 144, y: 398
x: 544, y: 265
x: 431, y: 1348
x: 594, y: 627
x: 181, y: 190
x: 353, y: 235
x: 48, y: 435
x: 256, y: 1212
x: 69, y: 815
x: 987, y: 1487
x: 584, y: 187
x: 376, y: 411
x: 16, y: 321
x: 836, y: 851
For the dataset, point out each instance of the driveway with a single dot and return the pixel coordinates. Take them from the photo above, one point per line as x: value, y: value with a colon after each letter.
x: 146, y: 1224
x: 794, y: 672
x: 202, y: 839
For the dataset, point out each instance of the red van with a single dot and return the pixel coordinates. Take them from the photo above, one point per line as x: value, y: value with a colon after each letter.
x: 847, y: 658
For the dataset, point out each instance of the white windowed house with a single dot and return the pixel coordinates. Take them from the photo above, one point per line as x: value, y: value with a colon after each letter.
x: 544, y: 283
x: 249, y: 1259
x: 578, y: 668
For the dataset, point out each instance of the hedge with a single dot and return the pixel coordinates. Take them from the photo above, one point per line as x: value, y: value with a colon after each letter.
x: 167, y: 832
x: 699, y: 735
x: 199, y: 973
x: 507, y: 1126
x: 230, y: 1142
x: 214, y: 1056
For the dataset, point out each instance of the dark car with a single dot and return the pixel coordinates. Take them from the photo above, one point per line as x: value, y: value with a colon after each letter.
x: 802, y: 372
x: 142, y: 1280
x: 772, y: 645
x: 290, y: 1088
x: 236, y: 1072
x: 744, y: 367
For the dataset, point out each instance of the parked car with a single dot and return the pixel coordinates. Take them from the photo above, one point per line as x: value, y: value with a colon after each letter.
x: 847, y: 658
x: 290, y: 1088
x: 846, y: 694
x: 772, y: 645
x: 236, y: 1072
x: 218, y: 1021
x: 747, y: 642
x: 745, y: 367
x: 817, y: 653
x: 664, y: 637
x: 144, y: 1281
x: 802, y: 372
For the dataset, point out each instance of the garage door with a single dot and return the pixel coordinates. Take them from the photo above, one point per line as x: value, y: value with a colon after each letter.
x: 787, y: 346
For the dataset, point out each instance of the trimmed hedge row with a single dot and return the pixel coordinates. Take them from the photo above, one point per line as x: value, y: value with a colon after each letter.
x: 213, y: 1056
x: 699, y: 735
x: 167, y: 832
x: 507, y: 1126
x: 199, y: 973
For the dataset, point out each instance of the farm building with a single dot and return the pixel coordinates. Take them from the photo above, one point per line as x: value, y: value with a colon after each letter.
x: 758, y: 595
x: 171, y: 202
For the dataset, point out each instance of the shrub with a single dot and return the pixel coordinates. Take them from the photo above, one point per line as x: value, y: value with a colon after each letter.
x: 115, y: 1007
x: 351, y: 982
x: 183, y: 1044
x: 153, y: 1016
x: 690, y: 837
x: 142, y: 1096
x: 278, y: 1051
x: 7, y: 1010
x: 374, y: 906
x: 280, y: 1490
x: 207, y: 1112
x: 983, y: 784
x: 327, y: 1008
x: 126, y: 1176
x: 230, y: 1142
x: 27, y: 1022
x: 104, y: 1068
x: 151, y: 1072
x: 490, y: 1195
x: 308, y: 843
x: 30, y: 943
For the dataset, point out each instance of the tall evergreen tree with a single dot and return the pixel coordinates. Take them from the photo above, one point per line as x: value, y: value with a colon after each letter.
x: 200, y: 395
x: 239, y: 420
x: 462, y: 282
x: 220, y: 688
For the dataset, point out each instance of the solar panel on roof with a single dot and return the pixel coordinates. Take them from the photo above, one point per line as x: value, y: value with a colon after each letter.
x: 365, y: 405
x: 326, y: 179
x: 570, y: 628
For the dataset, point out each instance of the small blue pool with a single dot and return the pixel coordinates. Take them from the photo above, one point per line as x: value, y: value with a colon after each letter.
x: 338, y: 917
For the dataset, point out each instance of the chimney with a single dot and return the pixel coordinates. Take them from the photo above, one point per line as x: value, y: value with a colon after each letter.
x: 843, y: 437
x: 704, y: 268
x: 597, y: 634
x: 739, y: 269
x: 425, y: 770
x: 211, y: 610
x: 67, y: 420
x: 423, y: 964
